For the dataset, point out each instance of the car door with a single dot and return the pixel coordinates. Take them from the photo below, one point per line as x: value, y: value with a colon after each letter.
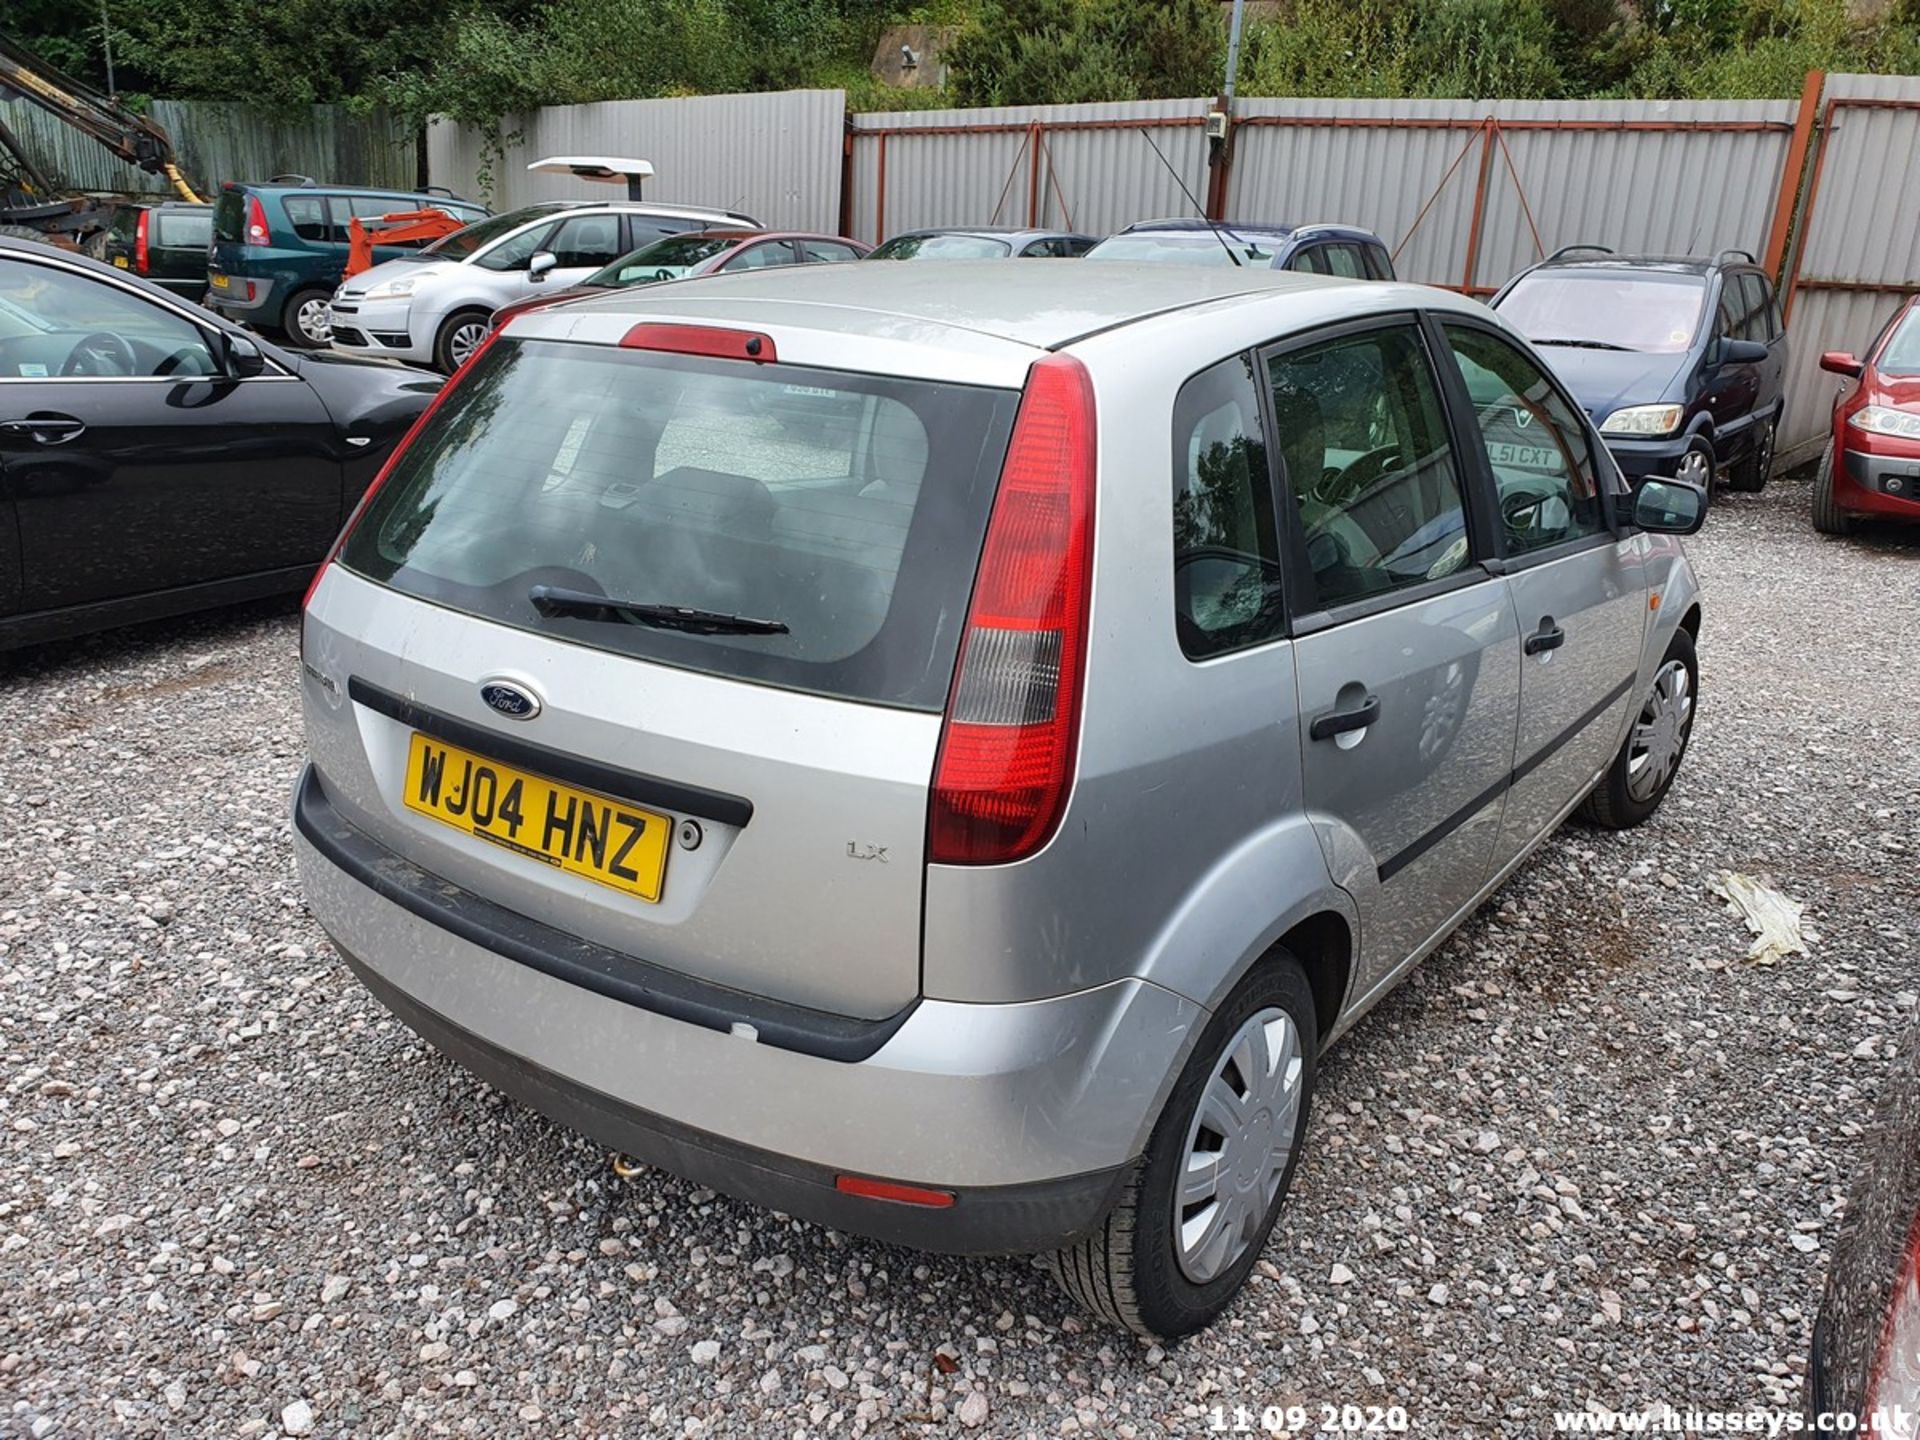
x: 1763, y: 328
x: 132, y: 463
x: 1406, y: 649
x: 1730, y: 388
x: 1577, y: 582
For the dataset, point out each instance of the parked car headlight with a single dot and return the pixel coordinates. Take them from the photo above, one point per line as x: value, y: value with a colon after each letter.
x: 1884, y: 420
x: 1643, y: 420
x: 391, y: 289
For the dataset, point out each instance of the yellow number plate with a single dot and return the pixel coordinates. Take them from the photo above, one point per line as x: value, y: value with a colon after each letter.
x: 121, y: 261
x: 607, y: 840
x: 220, y: 282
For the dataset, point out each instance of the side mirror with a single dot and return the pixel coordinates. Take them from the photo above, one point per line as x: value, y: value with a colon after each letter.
x: 1839, y: 362
x: 1742, y: 352
x: 541, y: 263
x: 1669, y: 507
x: 243, y: 357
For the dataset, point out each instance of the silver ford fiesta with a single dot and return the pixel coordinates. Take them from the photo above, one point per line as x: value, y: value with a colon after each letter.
x: 943, y: 750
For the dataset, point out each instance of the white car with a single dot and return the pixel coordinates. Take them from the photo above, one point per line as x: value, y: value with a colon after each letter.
x: 432, y: 307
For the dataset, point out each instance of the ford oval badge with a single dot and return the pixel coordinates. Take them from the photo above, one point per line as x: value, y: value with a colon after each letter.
x: 512, y: 701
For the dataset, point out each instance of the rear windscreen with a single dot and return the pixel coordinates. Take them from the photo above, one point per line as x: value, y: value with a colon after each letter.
x: 848, y: 508
x: 230, y: 215
x: 186, y: 229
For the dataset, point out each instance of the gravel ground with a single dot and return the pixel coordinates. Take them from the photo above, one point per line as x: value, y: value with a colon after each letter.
x: 1585, y: 1154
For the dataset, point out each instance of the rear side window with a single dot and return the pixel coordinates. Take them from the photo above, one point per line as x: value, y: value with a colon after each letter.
x: 1227, y: 583
x: 1359, y: 423
x: 848, y: 508
x: 186, y: 230
x: 587, y: 240
x: 307, y: 214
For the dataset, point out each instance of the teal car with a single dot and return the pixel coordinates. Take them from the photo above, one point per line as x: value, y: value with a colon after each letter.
x: 278, y: 249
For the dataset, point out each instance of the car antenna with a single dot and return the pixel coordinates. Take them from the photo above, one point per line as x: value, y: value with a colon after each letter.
x: 1198, y: 208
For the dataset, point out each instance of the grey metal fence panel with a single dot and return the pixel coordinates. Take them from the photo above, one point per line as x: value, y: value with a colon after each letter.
x: 1859, y: 250
x: 217, y: 141
x: 774, y: 156
x: 1410, y: 169
x: 1097, y: 169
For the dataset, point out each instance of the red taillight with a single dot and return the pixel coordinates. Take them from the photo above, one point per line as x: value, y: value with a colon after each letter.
x: 140, y: 241
x: 393, y: 459
x: 1007, y: 745
x: 887, y: 1190
x: 257, y: 232
x: 1893, y: 1392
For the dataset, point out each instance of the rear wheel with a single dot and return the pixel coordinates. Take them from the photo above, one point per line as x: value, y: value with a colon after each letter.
x: 1752, y: 473
x: 1828, y: 517
x: 306, y: 319
x: 1644, y: 770
x: 460, y: 335
x: 1200, y: 1202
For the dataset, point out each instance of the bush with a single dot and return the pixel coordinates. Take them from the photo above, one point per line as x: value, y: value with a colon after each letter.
x: 1056, y: 52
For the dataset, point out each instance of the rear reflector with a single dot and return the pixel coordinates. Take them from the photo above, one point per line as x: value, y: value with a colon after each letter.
x: 1893, y: 1391
x: 887, y: 1190
x: 1007, y: 745
x: 393, y: 459
x: 711, y: 340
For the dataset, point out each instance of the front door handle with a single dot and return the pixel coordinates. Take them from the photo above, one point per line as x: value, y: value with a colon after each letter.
x: 44, y: 429
x: 1339, y: 722
x: 1548, y: 637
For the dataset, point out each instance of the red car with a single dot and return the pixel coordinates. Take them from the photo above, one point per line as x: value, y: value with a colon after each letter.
x: 1872, y: 462
x: 698, y: 252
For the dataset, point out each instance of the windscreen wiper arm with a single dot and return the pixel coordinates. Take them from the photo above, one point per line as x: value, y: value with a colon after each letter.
x: 1586, y: 344
x: 553, y: 600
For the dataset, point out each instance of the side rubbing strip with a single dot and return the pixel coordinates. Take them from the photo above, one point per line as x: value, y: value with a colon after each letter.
x: 1399, y: 861
x: 556, y: 764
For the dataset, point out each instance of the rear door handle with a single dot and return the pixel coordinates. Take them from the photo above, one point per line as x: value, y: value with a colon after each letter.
x: 1548, y: 637
x: 1339, y: 722
x: 45, y: 429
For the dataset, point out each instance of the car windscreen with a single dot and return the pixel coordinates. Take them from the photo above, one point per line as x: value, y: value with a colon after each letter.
x: 1901, y: 354
x: 942, y: 247
x: 1607, y: 309
x: 667, y: 259
x: 463, y: 242
x: 1185, y: 247
x: 846, y: 509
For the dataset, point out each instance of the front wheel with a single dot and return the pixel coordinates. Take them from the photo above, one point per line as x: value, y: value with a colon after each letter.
x: 460, y: 335
x: 1828, y: 517
x: 1201, y: 1200
x: 1644, y: 770
x: 1696, y: 466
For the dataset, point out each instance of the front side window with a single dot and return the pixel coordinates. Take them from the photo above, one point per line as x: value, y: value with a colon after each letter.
x: 1359, y: 423
x: 826, y: 522
x: 56, y: 324
x: 1753, y: 301
x: 1226, y: 550
x: 1543, y: 469
x: 827, y: 252
x: 514, y: 252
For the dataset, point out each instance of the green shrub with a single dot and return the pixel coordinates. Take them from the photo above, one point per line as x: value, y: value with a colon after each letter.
x: 1055, y: 52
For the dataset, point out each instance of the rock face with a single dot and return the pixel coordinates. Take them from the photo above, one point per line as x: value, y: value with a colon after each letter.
x: 908, y: 57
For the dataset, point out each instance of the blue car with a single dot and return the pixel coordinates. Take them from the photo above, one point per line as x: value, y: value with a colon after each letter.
x: 1681, y: 362
x: 1316, y: 249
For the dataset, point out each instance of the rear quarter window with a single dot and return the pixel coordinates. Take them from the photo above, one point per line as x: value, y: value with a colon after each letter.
x: 850, y: 508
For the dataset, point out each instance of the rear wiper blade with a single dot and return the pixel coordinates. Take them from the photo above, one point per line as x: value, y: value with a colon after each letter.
x: 1586, y: 344
x: 553, y: 600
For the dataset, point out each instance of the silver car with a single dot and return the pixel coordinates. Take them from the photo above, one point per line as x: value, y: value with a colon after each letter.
x: 945, y: 760
x: 433, y: 307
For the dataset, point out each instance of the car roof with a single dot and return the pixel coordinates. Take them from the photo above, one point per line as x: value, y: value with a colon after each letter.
x: 1669, y: 264
x: 1042, y: 307
x: 997, y: 232
x: 288, y: 187
x: 1180, y: 224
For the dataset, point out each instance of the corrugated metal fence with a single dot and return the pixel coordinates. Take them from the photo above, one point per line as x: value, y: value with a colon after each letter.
x: 220, y: 141
x: 776, y: 156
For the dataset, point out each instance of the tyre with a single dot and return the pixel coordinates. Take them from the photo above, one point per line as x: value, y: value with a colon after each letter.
x: 1196, y: 1209
x: 460, y: 335
x: 1828, y: 517
x: 304, y: 319
x: 1756, y: 466
x: 1697, y: 465
x: 1644, y: 770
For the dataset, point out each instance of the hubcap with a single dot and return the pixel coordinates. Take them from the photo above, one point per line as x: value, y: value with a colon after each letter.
x: 1238, y: 1146
x: 1660, y: 734
x: 1695, y: 469
x: 315, y: 322
x: 1763, y: 462
x: 464, y: 341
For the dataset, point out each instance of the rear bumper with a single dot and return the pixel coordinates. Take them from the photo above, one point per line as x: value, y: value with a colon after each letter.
x: 245, y: 298
x: 1028, y: 1113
